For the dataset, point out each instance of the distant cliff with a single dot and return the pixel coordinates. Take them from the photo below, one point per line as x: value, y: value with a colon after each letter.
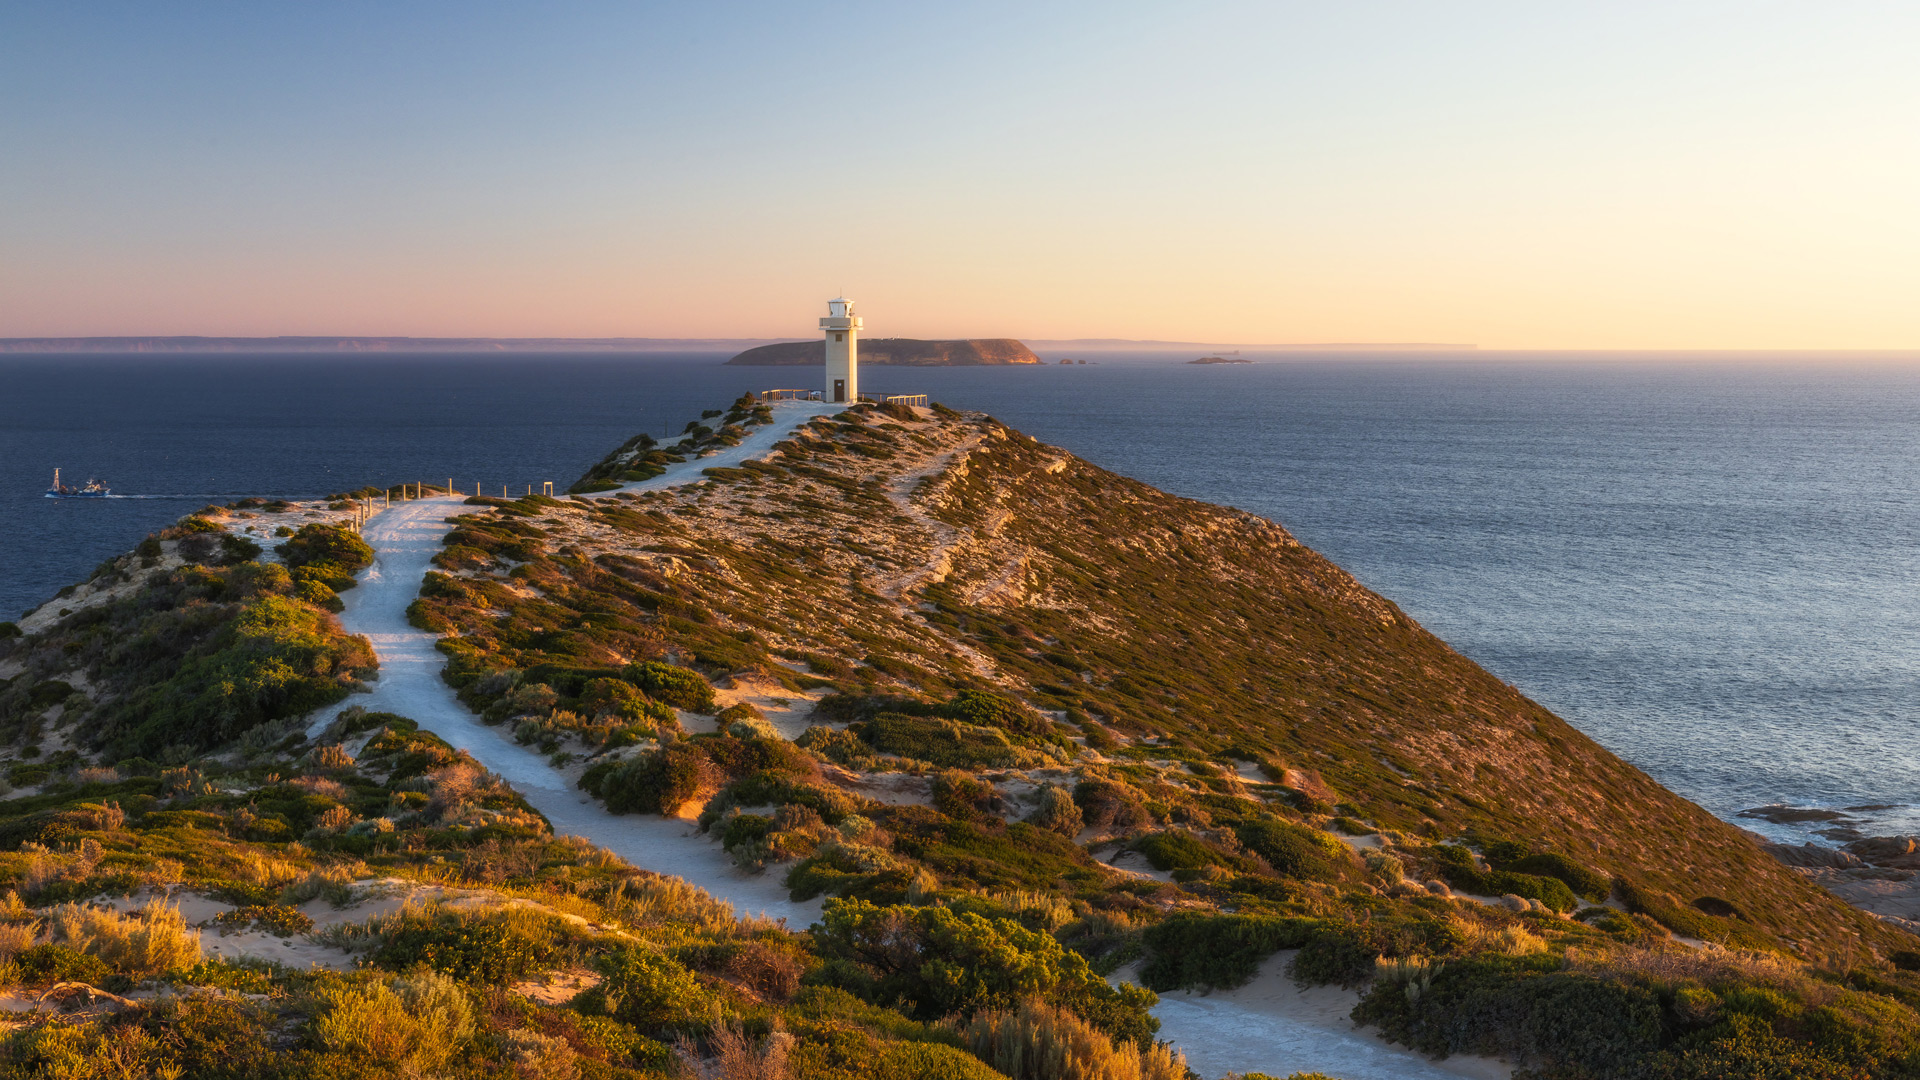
x: 902, y: 352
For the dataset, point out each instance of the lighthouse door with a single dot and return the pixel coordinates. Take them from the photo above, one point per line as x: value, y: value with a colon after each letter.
x: 839, y: 389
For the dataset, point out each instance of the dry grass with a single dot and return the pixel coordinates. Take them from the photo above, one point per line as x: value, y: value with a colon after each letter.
x: 539, y: 1057
x: 1477, y: 937
x: 141, y: 944
x: 1039, y: 1042
x: 1708, y: 965
x: 335, y: 883
x: 331, y: 756
x: 735, y: 1055
x: 320, y: 785
x: 1051, y: 911
x: 412, y: 1026
x: 651, y: 899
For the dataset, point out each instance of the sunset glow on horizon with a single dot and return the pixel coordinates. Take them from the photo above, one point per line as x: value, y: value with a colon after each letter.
x: 1658, y: 176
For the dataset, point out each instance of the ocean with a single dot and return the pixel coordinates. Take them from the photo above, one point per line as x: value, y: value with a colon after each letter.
x: 1712, y: 567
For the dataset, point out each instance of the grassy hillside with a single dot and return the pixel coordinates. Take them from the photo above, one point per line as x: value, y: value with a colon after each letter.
x: 1021, y: 721
x: 1070, y: 666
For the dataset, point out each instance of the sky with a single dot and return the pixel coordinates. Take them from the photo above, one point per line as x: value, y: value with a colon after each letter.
x: 1618, y: 175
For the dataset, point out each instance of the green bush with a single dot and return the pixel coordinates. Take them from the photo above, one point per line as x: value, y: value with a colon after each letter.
x: 1221, y: 951
x: 1184, y: 853
x: 645, y: 989
x: 44, y: 965
x: 319, y: 594
x: 326, y: 553
x: 1057, y: 812
x: 412, y: 1026
x: 983, y: 709
x: 677, y: 686
x: 1457, y: 867
x: 654, y: 783
x: 945, y: 743
x: 962, y: 794
x: 1523, y: 1008
x: 470, y: 947
x: 276, y: 658
x: 1296, y: 851
x: 928, y: 1061
x: 839, y: 747
x: 745, y: 829
x: 1584, y: 883
x: 934, y: 963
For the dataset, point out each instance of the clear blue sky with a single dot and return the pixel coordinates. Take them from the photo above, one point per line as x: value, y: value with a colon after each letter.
x: 1739, y: 175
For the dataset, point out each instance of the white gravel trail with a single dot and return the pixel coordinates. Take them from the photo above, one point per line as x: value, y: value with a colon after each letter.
x: 404, y: 538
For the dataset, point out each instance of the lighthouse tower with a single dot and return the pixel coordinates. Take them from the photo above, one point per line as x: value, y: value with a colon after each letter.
x: 842, y: 328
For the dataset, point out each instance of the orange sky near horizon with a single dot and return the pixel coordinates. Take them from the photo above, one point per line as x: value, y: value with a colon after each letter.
x: 1674, y: 176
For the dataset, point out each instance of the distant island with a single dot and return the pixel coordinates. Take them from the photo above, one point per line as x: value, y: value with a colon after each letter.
x: 329, y: 344
x: 899, y: 352
x: 1221, y: 360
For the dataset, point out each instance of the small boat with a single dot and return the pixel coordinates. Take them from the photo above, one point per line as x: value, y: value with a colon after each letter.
x: 93, y: 489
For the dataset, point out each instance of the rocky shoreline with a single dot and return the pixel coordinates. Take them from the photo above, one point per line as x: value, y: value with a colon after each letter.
x: 1880, y: 875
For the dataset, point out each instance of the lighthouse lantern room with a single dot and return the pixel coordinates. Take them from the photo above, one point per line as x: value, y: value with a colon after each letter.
x: 842, y: 328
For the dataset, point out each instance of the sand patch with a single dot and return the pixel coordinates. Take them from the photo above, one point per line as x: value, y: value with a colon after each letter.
x: 1273, y: 1026
x: 1134, y: 864
x: 789, y: 711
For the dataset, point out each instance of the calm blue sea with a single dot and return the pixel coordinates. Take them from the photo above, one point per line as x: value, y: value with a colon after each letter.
x: 1713, y: 568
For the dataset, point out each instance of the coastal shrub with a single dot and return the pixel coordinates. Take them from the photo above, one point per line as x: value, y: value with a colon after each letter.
x: 983, y: 709
x: 1750, y: 1053
x: 851, y: 870
x: 840, y: 747
x: 1057, y: 812
x: 1297, y: 851
x: 1106, y: 803
x: 770, y: 788
x: 1183, y: 853
x: 944, y: 743
x: 603, y: 697
x: 413, y: 1026
x: 1220, y: 951
x: 326, y: 553
x: 655, y: 783
x: 487, y: 947
x: 676, y: 686
x: 149, y: 941
x: 1458, y: 868
x: 962, y: 794
x: 1523, y: 1008
x: 1037, y: 1041
x: 1584, y: 883
x: 275, y: 658
x: 1684, y: 918
x: 934, y: 963
x: 46, y: 964
x: 646, y: 989
x: 320, y: 595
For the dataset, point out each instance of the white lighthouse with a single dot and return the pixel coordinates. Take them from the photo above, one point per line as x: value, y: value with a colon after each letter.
x: 842, y: 328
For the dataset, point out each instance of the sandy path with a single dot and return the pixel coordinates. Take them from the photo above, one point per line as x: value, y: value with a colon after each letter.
x: 404, y: 538
x: 1272, y: 1026
x: 787, y: 415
